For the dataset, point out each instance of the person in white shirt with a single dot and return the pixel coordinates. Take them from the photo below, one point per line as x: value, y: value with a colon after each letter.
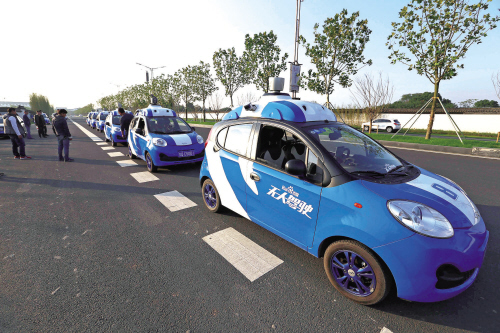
x: 16, y: 132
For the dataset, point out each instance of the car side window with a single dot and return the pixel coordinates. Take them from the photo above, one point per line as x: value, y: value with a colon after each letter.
x: 141, y: 124
x: 314, y: 170
x: 276, y: 147
x: 221, y: 137
x: 238, y: 138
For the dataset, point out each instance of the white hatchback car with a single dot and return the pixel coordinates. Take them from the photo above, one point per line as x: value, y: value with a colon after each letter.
x: 389, y: 125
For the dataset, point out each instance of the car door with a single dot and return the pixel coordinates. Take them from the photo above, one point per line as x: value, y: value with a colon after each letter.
x: 234, y: 157
x: 107, y: 127
x: 132, y: 138
x: 140, y: 138
x: 281, y: 202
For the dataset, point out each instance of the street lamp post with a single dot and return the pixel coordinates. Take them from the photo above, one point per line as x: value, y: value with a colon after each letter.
x: 295, y: 66
x: 151, y: 69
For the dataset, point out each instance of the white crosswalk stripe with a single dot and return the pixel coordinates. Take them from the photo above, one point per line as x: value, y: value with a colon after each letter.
x: 385, y: 330
x: 126, y: 163
x: 249, y: 258
x: 174, y: 201
x: 107, y: 148
x: 101, y: 143
x: 115, y: 154
x: 143, y: 177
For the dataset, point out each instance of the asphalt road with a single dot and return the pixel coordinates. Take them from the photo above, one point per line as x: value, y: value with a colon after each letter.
x: 86, y: 247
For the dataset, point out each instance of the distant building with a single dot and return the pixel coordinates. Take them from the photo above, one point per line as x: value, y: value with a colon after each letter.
x: 7, y: 104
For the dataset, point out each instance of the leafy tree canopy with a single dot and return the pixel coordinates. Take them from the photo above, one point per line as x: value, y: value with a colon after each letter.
x: 486, y: 104
x: 417, y: 100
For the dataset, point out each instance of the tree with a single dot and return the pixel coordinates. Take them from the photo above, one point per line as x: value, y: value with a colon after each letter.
x: 230, y: 71
x: 486, y: 104
x: 337, y: 53
x: 438, y: 33
x: 85, y: 110
x: 215, y: 104
x: 417, y: 100
x: 372, y: 95
x: 40, y: 102
x: 205, y: 83
x: 468, y: 103
x: 184, y: 83
x: 496, y: 83
x: 262, y: 58
x: 246, y: 98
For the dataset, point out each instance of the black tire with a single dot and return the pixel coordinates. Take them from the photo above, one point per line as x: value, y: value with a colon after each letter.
x: 382, y: 275
x: 130, y: 154
x: 150, y: 164
x: 217, y: 207
x: 113, y: 143
x: 389, y: 129
x: 106, y: 139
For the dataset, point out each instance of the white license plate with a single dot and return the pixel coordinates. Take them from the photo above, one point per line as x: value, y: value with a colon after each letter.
x: 185, y: 153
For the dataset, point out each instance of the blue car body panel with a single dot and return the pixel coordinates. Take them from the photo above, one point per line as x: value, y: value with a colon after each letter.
x: 309, y: 215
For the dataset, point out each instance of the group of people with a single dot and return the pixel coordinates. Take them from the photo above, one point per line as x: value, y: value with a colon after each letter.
x: 17, y: 133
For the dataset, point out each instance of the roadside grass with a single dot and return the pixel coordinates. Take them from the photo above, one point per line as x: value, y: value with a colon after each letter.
x: 450, y: 133
x: 200, y: 122
x: 436, y: 141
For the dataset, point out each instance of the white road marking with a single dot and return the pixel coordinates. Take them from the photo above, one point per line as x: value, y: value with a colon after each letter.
x: 101, y: 143
x: 440, y: 152
x: 174, y: 201
x: 115, y: 154
x: 107, y: 148
x: 249, y: 258
x: 89, y: 134
x: 126, y: 163
x: 143, y: 177
x: 386, y: 330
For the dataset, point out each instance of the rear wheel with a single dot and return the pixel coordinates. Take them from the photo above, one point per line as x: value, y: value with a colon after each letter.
x: 150, y: 164
x: 356, y: 272
x: 211, y: 196
x: 389, y: 129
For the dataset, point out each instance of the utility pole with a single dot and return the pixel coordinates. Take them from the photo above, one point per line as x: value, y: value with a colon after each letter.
x: 151, y: 69
x: 295, y: 66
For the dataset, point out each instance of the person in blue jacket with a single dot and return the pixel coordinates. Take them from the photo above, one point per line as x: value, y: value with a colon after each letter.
x: 63, y: 135
x: 27, y: 123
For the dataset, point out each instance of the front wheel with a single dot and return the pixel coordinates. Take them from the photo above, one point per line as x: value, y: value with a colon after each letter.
x: 356, y: 272
x: 113, y: 143
x: 211, y: 196
x: 130, y: 154
x: 150, y: 164
x: 389, y: 129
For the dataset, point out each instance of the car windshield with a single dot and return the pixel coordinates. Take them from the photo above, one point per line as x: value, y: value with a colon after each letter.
x: 167, y: 125
x: 354, y: 151
x: 116, y: 120
x: 94, y: 116
x: 103, y: 116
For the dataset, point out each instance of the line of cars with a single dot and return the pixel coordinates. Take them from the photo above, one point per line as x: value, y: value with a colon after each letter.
x: 2, y: 130
x: 380, y: 223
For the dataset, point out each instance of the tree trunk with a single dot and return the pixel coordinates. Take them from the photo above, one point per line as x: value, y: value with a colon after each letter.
x: 370, y: 128
x: 231, y: 96
x: 433, y: 111
x: 327, y: 101
x: 204, y: 119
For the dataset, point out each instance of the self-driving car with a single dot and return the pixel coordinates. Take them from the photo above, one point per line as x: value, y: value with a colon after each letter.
x: 159, y: 137
x: 379, y: 222
x: 47, y: 120
x: 112, y: 130
x: 93, y: 120
x: 99, y: 124
x: 89, y: 118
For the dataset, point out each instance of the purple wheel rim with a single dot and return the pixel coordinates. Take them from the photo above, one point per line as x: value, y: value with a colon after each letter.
x: 353, y: 273
x: 210, y: 196
x: 149, y: 162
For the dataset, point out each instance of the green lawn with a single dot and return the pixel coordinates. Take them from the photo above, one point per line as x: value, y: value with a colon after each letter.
x: 208, y: 122
x: 448, y: 133
x: 436, y: 141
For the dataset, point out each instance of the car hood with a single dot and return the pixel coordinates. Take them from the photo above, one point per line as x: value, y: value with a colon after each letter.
x: 434, y: 191
x: 184, y: 139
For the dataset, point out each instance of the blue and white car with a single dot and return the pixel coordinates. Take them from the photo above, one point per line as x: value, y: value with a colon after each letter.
x: 93, y: 120
x: 159, y: 137
x: 112, y: 130
x: 88, y: 118
x: 380, y: 222
x: 101, y: 117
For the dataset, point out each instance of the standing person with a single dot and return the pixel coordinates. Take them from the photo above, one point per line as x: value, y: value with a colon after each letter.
x: 54, y: 116
x: 125, y: 122
x: 40, y: 123
x: 27, y: 123
x: 61, y: 129
x: 16, y: 133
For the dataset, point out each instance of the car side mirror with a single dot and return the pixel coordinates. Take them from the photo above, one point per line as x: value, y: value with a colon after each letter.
x: 139, y: 131
x: 108, y: 124
x: 296, y: 168
x: 193, y: 128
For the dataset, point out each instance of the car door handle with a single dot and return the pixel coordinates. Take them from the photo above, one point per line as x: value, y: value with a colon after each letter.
x: 254, y: 176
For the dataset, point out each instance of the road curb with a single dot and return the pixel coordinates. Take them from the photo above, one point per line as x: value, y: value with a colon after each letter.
x: 444, y: 149
x: 200, y: 125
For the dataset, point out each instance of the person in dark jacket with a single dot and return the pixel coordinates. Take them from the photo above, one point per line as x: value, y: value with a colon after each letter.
x: 63, y: 135
x: 54, y: 117
x: 40, y: 123
x: 27, y: 123
x: 125, y: 120
x: 15, y: 130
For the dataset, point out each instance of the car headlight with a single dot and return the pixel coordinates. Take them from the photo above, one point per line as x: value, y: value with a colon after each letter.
x: 420, y: 218
x: 159, y: 142
x: 116, y: 129
x: 200, y: 139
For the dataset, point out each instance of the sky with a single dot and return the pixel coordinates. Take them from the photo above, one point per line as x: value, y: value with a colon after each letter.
x: 77, y: 52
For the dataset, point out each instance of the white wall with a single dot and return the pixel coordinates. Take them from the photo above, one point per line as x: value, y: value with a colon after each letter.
x: 466, y: 122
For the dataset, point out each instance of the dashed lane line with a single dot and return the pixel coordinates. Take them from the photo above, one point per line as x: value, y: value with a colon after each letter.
x: 385, y: 330
x: 107, y: 148
x: 91, y: 135
x: 115, y: 154
x: 174, y: 201
x: 143, y: 177
x: 249, y: 258
x: 126, y: 163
